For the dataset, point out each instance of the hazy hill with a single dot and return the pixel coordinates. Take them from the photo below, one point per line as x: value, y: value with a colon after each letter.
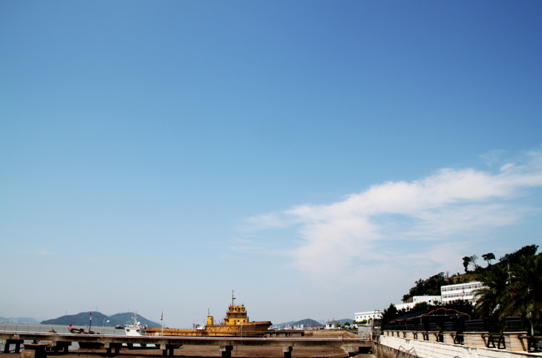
x: 25, y: 320
x: 99, y: 320
x: 305, y: 322
x: 126, y: 317
x: 282, y: 325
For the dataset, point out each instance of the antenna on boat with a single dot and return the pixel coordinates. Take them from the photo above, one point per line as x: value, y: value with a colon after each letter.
x: 232, y: 298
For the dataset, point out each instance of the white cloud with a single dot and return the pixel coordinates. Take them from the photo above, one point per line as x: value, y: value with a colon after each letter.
x: 43, y: 252
x: 339, y: 239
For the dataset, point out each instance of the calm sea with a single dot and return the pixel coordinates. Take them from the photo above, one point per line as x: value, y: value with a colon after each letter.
x: 39, y: 328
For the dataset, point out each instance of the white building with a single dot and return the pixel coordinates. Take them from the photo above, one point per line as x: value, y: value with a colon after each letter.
x: 433, y: 300
x: 332, y: 324
x: 360, y: 316
x: 460, y: 291
x: 448, y: 293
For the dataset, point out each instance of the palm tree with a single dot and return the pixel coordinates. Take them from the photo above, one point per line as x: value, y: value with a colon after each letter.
x: 526, y: 289
x: 512, y: 288
x: 490, y: 298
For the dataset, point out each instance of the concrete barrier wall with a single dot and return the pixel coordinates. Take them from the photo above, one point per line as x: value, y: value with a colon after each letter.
x: 389, y: 347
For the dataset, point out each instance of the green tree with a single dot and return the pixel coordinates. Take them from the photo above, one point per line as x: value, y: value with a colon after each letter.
x: 466, y: 262
x: 493, y: 292
x: 526, y: 290
x: 420, y: 306
x: 388, y: 314
x: 513, y: 287
x: 473, y: 259
x: 429, y: 286
x: 514, y: 257
x: 488, y: 257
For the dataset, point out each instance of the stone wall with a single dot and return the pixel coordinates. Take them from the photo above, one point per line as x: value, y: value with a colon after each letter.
x: 390, y: 347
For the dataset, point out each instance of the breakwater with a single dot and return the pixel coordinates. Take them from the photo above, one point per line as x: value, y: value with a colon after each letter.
x: 59, y: 342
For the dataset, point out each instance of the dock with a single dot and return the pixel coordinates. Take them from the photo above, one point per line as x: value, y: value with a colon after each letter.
x: 59, y: 343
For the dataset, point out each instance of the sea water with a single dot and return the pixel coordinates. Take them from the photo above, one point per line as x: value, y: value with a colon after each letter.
x: 46, y: 328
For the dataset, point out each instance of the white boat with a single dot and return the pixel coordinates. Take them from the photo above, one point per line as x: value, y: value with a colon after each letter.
x: 134, y: 328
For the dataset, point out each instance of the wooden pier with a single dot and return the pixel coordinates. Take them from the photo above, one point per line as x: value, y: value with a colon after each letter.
x: 59, y: 343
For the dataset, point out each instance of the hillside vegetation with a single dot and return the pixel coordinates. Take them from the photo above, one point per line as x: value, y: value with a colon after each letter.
x: 99, y: 320
x: 512, y: 287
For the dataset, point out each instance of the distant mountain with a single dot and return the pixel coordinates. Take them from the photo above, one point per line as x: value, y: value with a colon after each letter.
x: 282, y: 325
x: 342, y: 321
x: 80, y: 319
x: 126, y: 317
x: 305, y: 322
x: 99, y: 320
x: 25, y: 320
x: 324, y: 321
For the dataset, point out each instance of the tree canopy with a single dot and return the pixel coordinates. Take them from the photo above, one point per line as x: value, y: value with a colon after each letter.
x: 513, y: 287
x: 430, y: 286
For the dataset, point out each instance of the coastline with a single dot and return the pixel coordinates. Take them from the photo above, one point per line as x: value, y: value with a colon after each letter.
x: 205, y: 351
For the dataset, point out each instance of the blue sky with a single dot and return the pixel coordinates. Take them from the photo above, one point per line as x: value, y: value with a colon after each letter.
x: 317, y: 157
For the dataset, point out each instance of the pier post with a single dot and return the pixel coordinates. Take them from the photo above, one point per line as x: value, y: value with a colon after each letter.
x: 65, y: 346
x: 9, y: 342
x: 287, y: 350
x: 433, y: 336
x: 513, y: 341
x: 448, y: 337
x: 110, y: 346
x: 226, y: 351
x: 475, y: 339
x: 34, y: 350
x: 164, y: 349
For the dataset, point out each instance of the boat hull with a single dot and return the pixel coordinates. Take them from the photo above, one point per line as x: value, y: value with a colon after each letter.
x: 251, y: 329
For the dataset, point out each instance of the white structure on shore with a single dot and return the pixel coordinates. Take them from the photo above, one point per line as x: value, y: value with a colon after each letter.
x: 433, y: 300
x: 448, y: 293
x: 360, y: 316
x: 460, y: 291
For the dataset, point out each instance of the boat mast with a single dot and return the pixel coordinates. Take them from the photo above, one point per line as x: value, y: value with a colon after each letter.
x: 232, y: 298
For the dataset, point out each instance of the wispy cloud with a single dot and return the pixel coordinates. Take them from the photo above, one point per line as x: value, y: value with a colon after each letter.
x: 373, y: 225
x: 43, y: 252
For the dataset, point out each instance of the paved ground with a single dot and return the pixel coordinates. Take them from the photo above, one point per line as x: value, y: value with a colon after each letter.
x: 214, y: 351
x: 208, y: 351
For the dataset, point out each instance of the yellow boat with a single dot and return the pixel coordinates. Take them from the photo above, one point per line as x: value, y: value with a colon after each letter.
x: 236, y: 324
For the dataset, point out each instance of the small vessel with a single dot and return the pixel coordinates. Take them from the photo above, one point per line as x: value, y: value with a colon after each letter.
x: 134, y: 328
x: 84, y: 331
x: 236, y: 324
